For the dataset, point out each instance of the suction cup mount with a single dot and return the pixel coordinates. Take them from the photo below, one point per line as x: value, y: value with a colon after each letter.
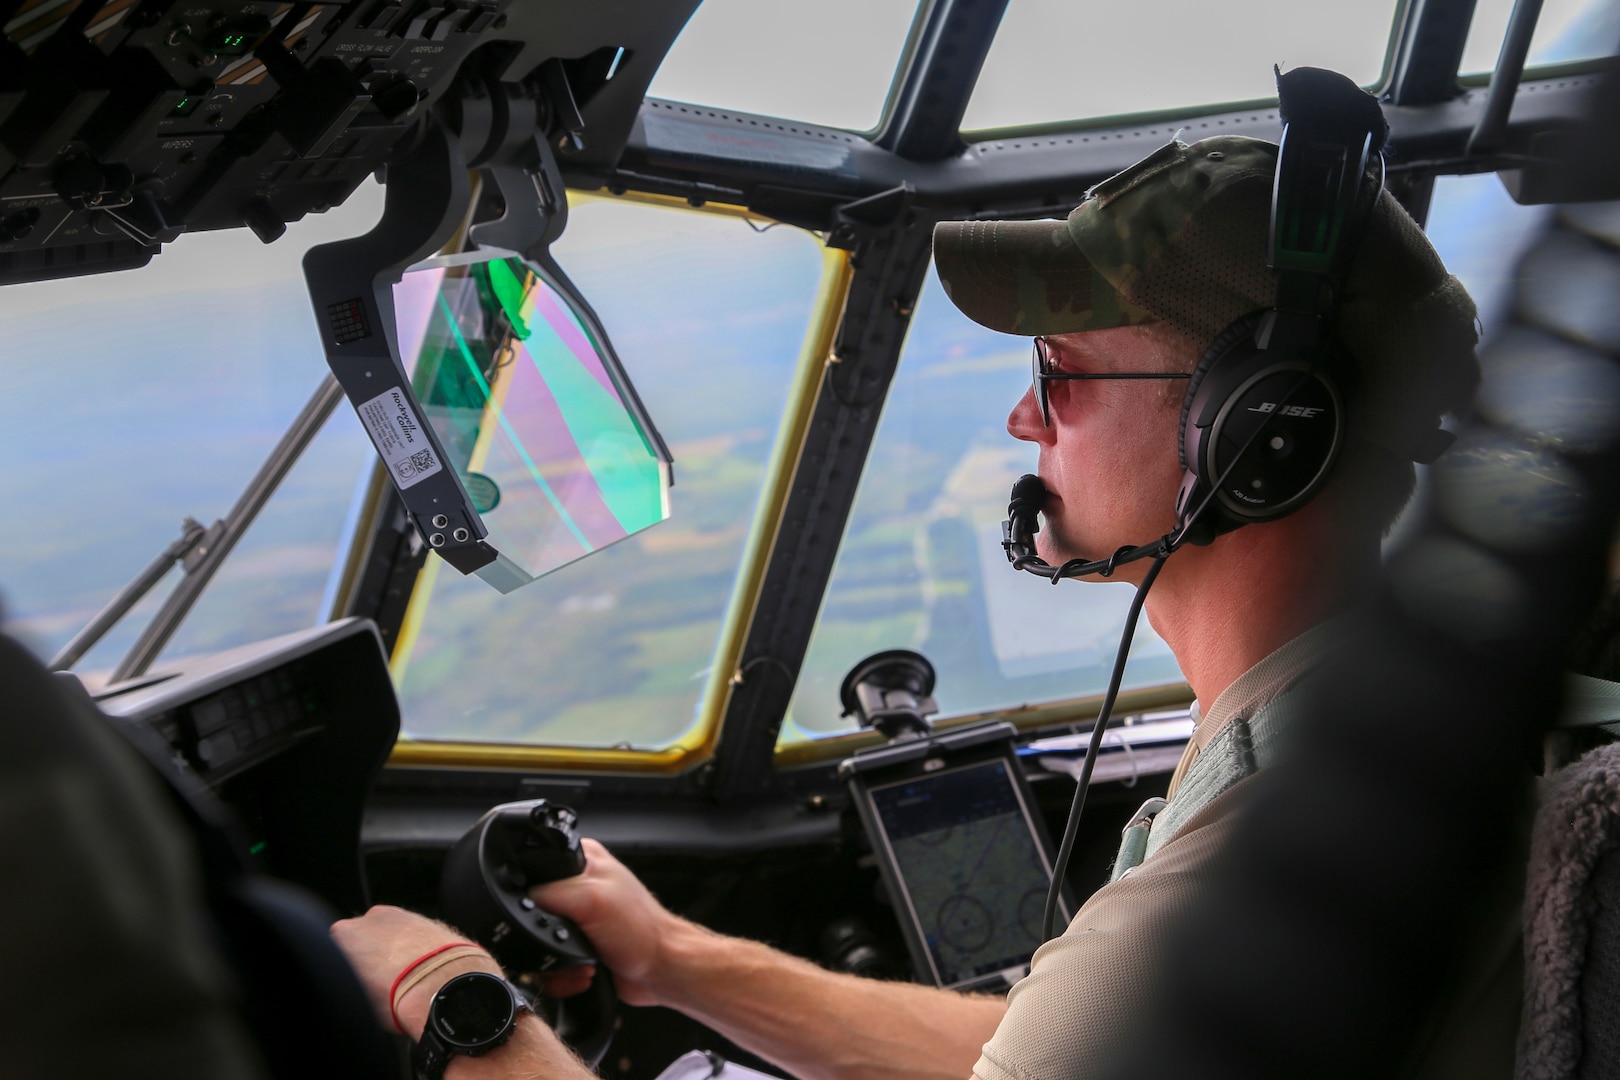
x: 891, y: 691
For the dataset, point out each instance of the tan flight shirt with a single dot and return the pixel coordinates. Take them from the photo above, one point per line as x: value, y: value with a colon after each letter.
x: 1091, y: 984
x: 1090, y: 988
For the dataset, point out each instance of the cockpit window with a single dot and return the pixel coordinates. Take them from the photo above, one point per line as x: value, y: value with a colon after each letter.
x: 921, y: 565
x: 1055, y: 60
x: 827, y: 63
x: 143, y: 397
x: 1481, y: 233
x: 707, y: 315
x: 1566, y: 31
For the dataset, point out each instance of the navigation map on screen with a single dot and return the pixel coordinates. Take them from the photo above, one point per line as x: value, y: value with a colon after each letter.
x: 973, y: 876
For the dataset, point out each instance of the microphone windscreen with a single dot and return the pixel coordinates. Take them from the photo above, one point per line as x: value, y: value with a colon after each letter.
x: 1027, y: 495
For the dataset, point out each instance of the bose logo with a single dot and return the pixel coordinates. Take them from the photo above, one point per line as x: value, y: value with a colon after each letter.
x: 1303, y: 411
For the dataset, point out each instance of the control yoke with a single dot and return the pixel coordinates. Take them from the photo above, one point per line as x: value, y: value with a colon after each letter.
x: 484, y: 892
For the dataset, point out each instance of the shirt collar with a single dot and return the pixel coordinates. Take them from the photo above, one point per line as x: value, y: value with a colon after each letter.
x: 1257, y: 687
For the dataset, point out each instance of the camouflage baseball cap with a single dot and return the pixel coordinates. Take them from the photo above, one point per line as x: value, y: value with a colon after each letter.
x: 1181, y: 237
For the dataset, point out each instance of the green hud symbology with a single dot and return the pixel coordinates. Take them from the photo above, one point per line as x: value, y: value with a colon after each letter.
x: 529, y: 405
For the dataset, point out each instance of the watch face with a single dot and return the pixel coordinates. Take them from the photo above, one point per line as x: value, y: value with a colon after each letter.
x: 473, y: 1010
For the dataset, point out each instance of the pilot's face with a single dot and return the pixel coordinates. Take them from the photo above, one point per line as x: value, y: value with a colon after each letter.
x: 1109, y: 457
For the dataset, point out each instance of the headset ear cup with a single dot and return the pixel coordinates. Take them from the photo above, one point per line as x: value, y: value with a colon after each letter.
x: 1223, y: 345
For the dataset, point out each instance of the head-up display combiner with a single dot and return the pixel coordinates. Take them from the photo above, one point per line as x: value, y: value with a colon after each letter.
x: 487, y: 385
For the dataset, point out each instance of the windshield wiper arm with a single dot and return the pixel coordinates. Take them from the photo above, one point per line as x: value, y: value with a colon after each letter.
x: 201, y: 551
x: 192, y: 537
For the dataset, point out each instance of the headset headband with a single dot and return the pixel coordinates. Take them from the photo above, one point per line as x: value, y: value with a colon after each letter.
x: 1332, y: 130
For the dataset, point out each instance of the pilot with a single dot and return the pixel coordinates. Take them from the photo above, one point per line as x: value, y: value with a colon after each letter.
x: 1138, y: 281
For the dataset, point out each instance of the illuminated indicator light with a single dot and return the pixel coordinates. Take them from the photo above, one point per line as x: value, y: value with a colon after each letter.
x: 232, y: 42
x: 613, y: 67
x: 256, y: 848
x: 189, y: 104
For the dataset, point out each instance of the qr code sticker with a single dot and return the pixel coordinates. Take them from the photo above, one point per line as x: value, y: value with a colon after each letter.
x: 418, y: 464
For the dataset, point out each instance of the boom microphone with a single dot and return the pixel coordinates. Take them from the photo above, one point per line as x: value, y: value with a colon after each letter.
x: 1029, y: 495
x: 1023, y: 522
x: 1023, y: 519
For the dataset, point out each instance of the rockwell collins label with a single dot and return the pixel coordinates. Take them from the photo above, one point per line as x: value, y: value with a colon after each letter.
x: 399, y: 438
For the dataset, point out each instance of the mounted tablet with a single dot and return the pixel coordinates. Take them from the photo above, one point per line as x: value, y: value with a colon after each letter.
x: 963, y: 853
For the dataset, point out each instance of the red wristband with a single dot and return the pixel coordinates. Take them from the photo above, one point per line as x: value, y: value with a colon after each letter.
x: 412, y: 966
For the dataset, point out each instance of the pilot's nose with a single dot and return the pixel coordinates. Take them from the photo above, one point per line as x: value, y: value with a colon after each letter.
x: 1024, y: 422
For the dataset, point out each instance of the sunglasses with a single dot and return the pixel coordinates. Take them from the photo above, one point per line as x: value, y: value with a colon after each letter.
x: 1044, y: 370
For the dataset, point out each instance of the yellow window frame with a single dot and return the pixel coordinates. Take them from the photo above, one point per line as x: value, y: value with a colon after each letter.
x: 698, y: 744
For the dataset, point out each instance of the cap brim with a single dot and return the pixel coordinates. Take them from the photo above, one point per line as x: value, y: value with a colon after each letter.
x: 1026, y: 277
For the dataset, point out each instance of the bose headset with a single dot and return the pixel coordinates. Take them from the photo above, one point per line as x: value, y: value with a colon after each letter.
x: 1263, y: 419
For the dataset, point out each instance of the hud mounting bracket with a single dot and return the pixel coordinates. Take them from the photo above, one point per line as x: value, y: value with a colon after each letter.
x: 351, y: 287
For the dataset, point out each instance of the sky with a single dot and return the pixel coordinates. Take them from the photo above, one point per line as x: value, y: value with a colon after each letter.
x: 141, y: 397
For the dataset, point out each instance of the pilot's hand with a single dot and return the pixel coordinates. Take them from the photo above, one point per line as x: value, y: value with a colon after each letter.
x: 622, y: 919
x: 384, y: 941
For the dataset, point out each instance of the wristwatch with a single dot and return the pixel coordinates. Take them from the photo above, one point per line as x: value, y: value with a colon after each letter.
x: 471, y: 1014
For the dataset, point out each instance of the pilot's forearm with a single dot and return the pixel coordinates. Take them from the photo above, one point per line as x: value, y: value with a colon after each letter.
x: 819, y: 1025
x: 532, y: 1053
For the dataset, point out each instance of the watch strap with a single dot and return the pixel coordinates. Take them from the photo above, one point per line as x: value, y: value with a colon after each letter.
x: 429, y: 1057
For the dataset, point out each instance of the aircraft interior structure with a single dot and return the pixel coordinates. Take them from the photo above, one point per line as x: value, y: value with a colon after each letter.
x: 698, y: 542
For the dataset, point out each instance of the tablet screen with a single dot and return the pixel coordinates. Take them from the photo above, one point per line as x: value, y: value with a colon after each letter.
x: 974, y: 878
